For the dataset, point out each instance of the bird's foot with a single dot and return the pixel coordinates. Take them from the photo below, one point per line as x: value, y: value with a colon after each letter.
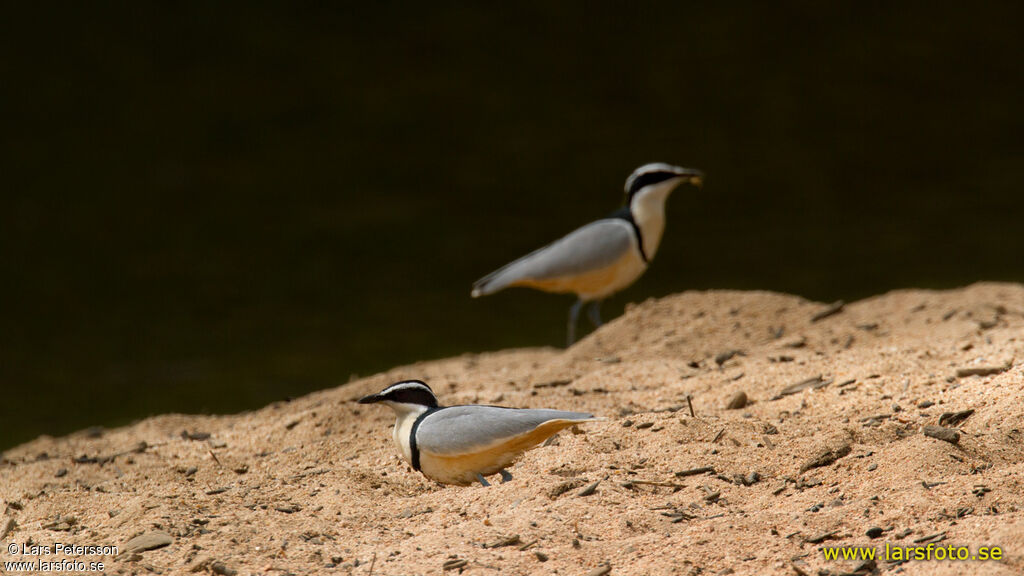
x: 483, y: 481
x: 574, y: 314
x: 594, y: 312
x: 505, y: 476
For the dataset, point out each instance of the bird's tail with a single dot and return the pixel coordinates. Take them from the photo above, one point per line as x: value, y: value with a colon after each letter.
x: 493, y: 282
x: 480, y: 288
x: 512, y: 274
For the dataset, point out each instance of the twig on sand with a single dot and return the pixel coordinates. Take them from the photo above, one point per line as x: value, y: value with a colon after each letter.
x: 695, y: 471
x: 811, y: 383
x: 832, y: 309
x: 826, y: 456
x: 589, y: 490
x: 954, y: 418
x: 983, y: 370
x: 454, y: 564
x: 673, y: 485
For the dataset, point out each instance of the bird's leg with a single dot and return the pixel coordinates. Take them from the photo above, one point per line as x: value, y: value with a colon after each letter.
x: 505, y: 476
x: 594, y: 311
x: 574, y: 314
x: 482, y: 480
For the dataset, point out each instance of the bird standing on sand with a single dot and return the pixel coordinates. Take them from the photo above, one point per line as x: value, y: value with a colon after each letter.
x: 605, y: 256
x: 462, y: 444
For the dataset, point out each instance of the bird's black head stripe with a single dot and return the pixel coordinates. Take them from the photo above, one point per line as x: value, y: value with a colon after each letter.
x: 419, y: 396
x: 649, y: 178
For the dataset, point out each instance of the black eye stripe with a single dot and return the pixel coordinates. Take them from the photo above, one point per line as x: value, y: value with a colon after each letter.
x: 650, y: 178
x: 419, y: 396
x: 406, y: 385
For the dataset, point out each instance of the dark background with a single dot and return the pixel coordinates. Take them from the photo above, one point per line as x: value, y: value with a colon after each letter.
x: 209, y: 207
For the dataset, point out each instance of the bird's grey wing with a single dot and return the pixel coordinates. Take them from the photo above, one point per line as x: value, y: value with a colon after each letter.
x: 591, y: 247
x: 463, y: 429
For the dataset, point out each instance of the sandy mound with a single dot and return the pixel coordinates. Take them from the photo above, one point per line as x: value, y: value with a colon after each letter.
x: 830, y: 446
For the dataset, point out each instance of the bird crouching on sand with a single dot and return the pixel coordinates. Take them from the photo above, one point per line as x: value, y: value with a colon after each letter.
x: 605, y: 256
x: 463, y: 444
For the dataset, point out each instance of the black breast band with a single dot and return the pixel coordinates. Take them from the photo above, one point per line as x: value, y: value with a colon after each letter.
x: 413, y: 448
x: 627, y: 215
